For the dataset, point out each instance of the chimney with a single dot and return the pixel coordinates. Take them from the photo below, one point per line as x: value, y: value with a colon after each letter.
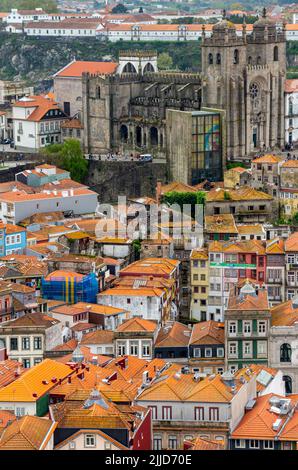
x: 69, y: 379
x: 158, y: 191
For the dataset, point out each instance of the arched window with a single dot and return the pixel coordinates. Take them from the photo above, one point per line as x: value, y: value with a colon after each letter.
x: 218, y: 58
x: 153, y: 136
x: 285, y: 353
x: 210, y: 59
x: 129, y: 68
x: 123, y: 133
x: 254, y: 90
x: 98, y: 92
x: 236, y: 56
x: 249, y: 60
x: 275, y: 54
x: 288, y: 384
x: 148, y: 68
x: 259, y: 60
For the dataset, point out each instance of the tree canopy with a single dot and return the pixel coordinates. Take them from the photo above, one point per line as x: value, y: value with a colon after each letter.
x: 69, y: 156
x: 49, y: 6
x: 119, y: 9
x: 164, y: 61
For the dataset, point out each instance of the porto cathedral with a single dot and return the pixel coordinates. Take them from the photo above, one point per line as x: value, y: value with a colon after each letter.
x: 232, y: 110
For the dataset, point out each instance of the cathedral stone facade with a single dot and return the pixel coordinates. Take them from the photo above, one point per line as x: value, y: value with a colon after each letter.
x: 242, y: 80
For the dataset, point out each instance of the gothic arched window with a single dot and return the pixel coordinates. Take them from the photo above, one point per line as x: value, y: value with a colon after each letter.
x: 218, y: 58
x: 249, y: 60
x: 275, y: 54
x: 210, y: 59
x: 236, y: 56
x: 285, y: 353
x: 259, y: 60
x: 98, y: 92
x: 254, y: 90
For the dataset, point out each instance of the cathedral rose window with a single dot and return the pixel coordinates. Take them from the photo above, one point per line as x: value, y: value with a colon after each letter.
x: 254, y: 90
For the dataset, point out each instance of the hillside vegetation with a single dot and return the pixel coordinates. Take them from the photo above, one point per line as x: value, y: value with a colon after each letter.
x: 35, y: 59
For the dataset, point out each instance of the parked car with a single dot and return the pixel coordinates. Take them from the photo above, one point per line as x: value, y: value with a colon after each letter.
x: 146, y: 157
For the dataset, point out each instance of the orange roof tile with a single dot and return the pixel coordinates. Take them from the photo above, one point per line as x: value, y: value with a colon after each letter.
x: 290, y: 163
x: 291, y: 244
x: 35, y: 382
x: 77, y: 68
x: 41, y: 104
x: 137, y: 324
x: 245, y: 193
x: 258, y: 422
x: 27, y: 433
x: 204, y: 444
x: 207, y: 332
x: 284, y: 314
x: 177, y: 335
x: 223, y: 223
x: 268, y: 159
x: 98, y: 337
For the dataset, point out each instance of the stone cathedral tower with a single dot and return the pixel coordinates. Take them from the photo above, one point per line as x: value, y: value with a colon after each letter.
x: 244, y: 74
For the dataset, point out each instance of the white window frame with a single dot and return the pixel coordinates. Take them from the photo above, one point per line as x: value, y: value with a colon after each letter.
x: 91, y: 437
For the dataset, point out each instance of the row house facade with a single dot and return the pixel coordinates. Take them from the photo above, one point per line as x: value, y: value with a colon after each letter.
x: 247, y: 326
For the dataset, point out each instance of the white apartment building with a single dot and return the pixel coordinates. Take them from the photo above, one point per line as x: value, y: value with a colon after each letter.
x: 18, y: 205
x: 83, y: 28
x: 21, y: 16
x: 291, y: 111
x: 36, y: 122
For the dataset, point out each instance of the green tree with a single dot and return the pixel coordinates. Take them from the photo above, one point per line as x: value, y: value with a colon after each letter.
x: 182, y: 198
x: 119, y: 9
x: 49, y: 6
x: 69, y: 156
x: 164, y: 61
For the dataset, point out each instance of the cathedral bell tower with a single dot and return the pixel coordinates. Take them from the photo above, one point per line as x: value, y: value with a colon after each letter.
x: 223, y: 65
x: 244, y: 74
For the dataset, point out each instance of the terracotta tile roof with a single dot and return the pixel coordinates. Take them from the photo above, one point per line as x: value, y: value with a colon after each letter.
x: 99, y: 309
x: 41, y: 104
x: 83, y: 326
x: 6, y: 417
x: 178, y: 387
x: 246, y: 229
x: 291, y: 85
x: 137, y: 324
x: 290, y: 163
x: 199, y: 253
x: 68, y: 346
x: 27, y: 433
x: 70, y: 310
x: 207, y: 332
x: 77, y: 68
x: 176, y: 336
x: 284, y: 314
x: 10, y: 185
x: 98, y: 337
x: 178, y: 187
x: 244, y: 193
x: 244, y: 246
x: 19, y: 196
x: 290, y: 431
x: 9, y: 371
x: 258, y: 422
x: 268, y: 159
x: 11, y: 228
x: 223, y: 223
x: 238, y: 169
x: 134, y: 292
x: 291, y: 244
x: 29, y: 320
x: 30, y: 387
x: 249, y: 302
x: 203, y: 444
x: 151, y: 266
x: 276, y: 246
